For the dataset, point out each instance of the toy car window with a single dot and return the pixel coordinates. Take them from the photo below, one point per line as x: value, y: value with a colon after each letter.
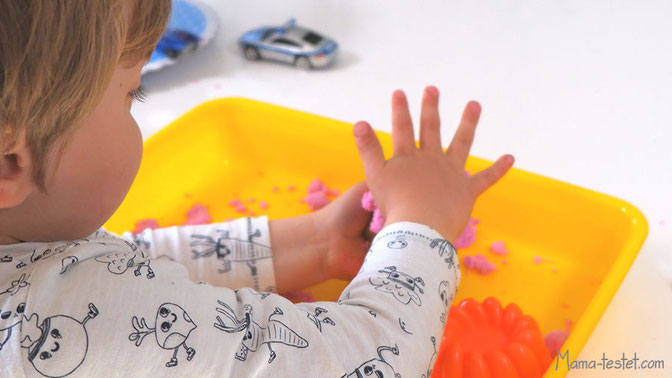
x: 284, y: 41
x: 312, y: 38
x: 268, y: 33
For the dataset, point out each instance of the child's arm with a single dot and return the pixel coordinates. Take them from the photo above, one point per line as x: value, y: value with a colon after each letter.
x: 305, y: 250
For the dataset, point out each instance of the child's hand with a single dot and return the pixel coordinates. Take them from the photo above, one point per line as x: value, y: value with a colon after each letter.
x: 426, y: 185
x: 343, y: 225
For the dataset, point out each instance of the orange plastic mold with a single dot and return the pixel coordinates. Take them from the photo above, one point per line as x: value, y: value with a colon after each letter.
x: 483, y: 340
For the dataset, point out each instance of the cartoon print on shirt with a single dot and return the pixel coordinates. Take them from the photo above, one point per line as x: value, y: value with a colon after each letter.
x: 275, y: 332
x: 119, y: 262
x: 446, y: 297
x: 315, y: 318
x: 17, y: 285
x: 10, y: 318
x: 38, y: 254
x: 67, y: 261
x: 430, y: 367
x: 229, y: 250
x: 404, y: 287
x: 398, y: 243
x: 57, y: 346
x: 376, y: 367
x: 172, y: 328
x: 444, y: 246
x: 6, y: 259
x: 402, y: 324
x: 373, y: 313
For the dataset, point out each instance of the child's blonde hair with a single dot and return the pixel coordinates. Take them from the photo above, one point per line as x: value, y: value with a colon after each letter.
x: 56, y: 59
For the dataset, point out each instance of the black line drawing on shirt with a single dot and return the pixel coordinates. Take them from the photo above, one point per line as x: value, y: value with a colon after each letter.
x: 401, y: 285
x: 262, y: 294
x: 6, y: 259
x: 67, y: 261
x: 275, y: 332
x: 172, y: 329
x: 398, y: 243
x: 446, y: 297
x: 8, y: 320
x: 17, y: 285
x: 376, y: 367
x: 57, y: 346
x: 119, y: 262
x: 140, y: 242
x: 373, y: 313
x: 229, y: 250
x: 402, y: 324
x: 444, y: 246
x: 430, y: 367
x: 37, y: 255
x: 315, y: 318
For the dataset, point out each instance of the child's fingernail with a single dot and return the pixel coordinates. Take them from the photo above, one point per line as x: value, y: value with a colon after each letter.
x: 360, y: 129
x: 475, y: 106
x: 509, y: 159
x: 432, y: 90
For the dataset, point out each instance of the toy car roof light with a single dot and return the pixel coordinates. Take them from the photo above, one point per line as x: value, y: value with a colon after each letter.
x: 289, y: 24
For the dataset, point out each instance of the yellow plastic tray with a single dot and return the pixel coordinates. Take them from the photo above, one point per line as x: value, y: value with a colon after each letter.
x: 239, y: 148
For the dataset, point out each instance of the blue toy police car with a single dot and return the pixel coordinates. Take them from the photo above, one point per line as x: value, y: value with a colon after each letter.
x: 289, y: 43
x: 174, y: 43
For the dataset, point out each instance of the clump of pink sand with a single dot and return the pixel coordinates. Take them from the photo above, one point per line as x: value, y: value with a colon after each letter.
x: 198, y: 214
x: 317, y: 195
x: 556, y: 338
x: 498, y: 248
x: 143, y: 224
x: 377, y: 221
x: 468, y: 235
x: 479, y: 263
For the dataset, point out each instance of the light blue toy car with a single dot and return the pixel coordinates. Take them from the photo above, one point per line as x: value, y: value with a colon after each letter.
x: 289, y: 43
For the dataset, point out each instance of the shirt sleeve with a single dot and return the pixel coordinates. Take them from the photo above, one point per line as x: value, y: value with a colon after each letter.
x: 92, y: 314
x: 233, y: 254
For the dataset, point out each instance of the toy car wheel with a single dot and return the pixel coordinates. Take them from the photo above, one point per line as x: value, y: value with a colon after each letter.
x: 251, y: 53
x: 302, y: 63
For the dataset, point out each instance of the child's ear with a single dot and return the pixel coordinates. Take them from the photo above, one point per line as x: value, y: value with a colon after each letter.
x: 16, y: 173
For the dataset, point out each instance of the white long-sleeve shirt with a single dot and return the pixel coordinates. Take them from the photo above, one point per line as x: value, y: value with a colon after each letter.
x: 198, y: 301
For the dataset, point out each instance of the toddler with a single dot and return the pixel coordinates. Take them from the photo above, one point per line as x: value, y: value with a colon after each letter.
x: 76, y: 300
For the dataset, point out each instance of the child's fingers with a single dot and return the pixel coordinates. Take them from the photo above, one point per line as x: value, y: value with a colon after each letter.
x: 481, y: 181
x: 430, y: 125
x: 464, y: 136
x: 369, y: 148
x: 402, y: 126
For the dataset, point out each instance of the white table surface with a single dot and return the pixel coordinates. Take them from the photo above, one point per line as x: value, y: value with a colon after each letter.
x: 578, y: 91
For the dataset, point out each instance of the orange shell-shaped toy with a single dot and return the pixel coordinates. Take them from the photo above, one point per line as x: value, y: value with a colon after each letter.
x: 484, y: 340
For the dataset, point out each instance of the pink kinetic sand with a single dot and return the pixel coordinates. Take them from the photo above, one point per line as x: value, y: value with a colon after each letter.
x: 479, y: 263
x: 198, y: 214
x: 291, y: 188
x: 241, y: 208
x: 317, y: 194
x: 317, y: 186
x: 498, y: 248
x: 538, y: 259
x: 555, y: 339
x: 377, y: 221
x: 316, y: 200
x: 263, y: 205
x: 275, y: 189
x: 468, y: 235
x: 251, y: 213
x: 143, y: 224
x: 235, y: 202
x: 250, y: 200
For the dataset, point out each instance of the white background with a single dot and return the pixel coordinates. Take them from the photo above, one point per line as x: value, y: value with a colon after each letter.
x: 578, y: 91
